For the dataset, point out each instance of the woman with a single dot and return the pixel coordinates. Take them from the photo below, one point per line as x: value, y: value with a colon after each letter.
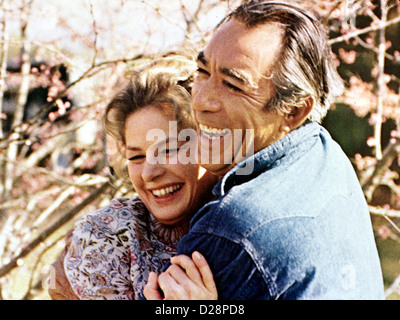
x: 113, y: 250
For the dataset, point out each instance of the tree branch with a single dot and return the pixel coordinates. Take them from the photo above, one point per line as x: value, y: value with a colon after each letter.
x: 95, y: 34
x: 389, y: 154
x: 93, y: 70
x: 55, y: 226
x: 381, y: 81
x: 353, y: 34
x: 12, y: 150
x: 3, y: 66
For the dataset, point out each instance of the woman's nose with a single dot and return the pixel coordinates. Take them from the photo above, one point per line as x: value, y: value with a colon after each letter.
x: 152, y: 171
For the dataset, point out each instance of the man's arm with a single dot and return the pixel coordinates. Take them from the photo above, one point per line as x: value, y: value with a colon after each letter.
x: 235, y: 273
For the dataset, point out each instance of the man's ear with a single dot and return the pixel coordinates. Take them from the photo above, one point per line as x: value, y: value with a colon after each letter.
x: 299, y: 114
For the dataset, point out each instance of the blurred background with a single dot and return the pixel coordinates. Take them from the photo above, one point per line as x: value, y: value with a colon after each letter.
x: 61, y: 62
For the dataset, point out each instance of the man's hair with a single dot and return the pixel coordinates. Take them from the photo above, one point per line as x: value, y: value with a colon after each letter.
x: 305, y: 67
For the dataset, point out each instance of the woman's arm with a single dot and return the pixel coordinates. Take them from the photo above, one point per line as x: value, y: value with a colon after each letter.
x: 61, y: 288
x: 97, y: 263
x: 185, y: 279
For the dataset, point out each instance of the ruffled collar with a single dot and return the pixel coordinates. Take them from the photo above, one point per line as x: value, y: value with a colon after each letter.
x: 169, y: 235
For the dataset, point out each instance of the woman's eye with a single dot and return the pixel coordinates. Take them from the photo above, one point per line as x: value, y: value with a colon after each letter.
x: 170, y: 150
x: 136, y: 158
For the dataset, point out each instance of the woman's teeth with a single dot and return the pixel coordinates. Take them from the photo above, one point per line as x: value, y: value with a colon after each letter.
x: 213, y: 133
x: 167, y: 191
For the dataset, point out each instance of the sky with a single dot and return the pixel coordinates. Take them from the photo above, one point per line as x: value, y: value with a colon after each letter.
x: 120, y: 22
x: 65, y: 29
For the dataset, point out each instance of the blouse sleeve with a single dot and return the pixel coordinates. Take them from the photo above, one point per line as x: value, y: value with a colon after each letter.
x: 97, y: 263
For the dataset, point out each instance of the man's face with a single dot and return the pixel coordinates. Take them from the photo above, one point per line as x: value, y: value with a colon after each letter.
x: 230, y: 92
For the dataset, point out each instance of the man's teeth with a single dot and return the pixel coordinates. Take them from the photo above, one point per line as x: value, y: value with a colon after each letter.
x: 167, y: 191
x: 213, y: 133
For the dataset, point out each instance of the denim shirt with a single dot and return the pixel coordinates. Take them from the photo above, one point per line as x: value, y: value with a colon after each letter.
x: 297, y: 227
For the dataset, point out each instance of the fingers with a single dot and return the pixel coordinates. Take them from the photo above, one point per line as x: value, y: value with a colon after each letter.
x: 175, y: 284
x: 197, y: 269
x: 194, y: 277
x: 151, y: 289
x: 190, y: 268
x: 205, y: 271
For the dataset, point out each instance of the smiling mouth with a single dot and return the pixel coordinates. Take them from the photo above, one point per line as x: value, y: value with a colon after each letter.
x: 165, y: 192
x: 212, y: 133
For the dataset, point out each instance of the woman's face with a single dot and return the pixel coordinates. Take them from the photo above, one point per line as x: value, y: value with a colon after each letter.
x: 171, y: 191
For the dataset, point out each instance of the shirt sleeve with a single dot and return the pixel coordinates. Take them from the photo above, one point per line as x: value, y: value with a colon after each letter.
x: 96, y: 264
x: 235, y: 273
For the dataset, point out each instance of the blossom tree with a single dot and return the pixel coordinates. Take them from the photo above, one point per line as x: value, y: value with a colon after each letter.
x: 61, y: 62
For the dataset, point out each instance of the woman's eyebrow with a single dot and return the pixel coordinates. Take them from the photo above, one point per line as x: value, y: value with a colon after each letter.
x: 157, y: 143
x: 132, y: 148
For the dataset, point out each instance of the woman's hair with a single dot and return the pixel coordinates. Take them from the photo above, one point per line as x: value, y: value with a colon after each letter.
x: 164, y: 83
x: 305, y: 67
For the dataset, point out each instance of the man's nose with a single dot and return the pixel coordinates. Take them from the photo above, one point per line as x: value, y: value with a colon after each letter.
x: 206, y: 98
x: 152, y: 171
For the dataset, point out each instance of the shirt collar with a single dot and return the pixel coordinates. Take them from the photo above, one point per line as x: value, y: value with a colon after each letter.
x: 294, y: 143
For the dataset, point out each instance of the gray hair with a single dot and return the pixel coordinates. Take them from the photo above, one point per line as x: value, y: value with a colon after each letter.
x: 305, y: 67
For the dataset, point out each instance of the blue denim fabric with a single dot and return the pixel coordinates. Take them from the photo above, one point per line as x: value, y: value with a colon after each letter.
x: 297, y: 227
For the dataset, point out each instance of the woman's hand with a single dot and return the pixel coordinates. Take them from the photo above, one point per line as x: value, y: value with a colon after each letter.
x: 185, y: 279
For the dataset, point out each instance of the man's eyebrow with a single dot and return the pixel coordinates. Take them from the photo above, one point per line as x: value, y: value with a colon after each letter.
x: 234, y: 74
x: 201, y: 58
x: 239, y: 76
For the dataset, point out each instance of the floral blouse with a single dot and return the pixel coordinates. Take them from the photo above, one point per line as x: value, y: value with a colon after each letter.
x: 113, y: 250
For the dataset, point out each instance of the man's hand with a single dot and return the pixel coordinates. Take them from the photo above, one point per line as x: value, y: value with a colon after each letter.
x: 185, y: 279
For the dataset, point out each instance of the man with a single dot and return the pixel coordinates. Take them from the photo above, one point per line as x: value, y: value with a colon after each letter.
x: 297, y: 225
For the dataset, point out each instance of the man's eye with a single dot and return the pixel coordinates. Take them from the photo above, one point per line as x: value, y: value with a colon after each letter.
x: 233, y: 87
x: 203, y: 71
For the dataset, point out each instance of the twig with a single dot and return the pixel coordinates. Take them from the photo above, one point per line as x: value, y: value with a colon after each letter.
x: 353, y: 34
x: 389, y: 154
x: 12, y: 150
x: 192, y: 19
x: 394, y: 288
x: 38, y: 284
x: 3, y: 73
x: 86, y: 75
x: 95, y: 34
x: 381, y: 81
x: 55, y: 226
x: 63, y: 196
x: 3, y: 66
x: 388, y: 214
x: 384, y: 212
